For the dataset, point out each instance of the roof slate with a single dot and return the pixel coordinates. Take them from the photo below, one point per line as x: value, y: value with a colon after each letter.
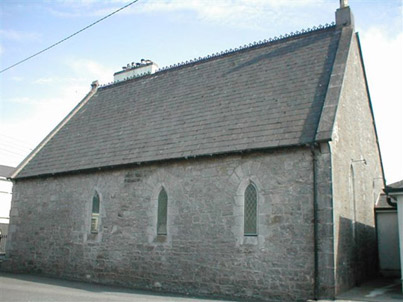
x: 394, y: 187
x: 265, y: 96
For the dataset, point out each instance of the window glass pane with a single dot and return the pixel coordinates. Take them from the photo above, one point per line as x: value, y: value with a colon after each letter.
x: 250, y: 215
x: 162, y: 212
x: 95, y: 203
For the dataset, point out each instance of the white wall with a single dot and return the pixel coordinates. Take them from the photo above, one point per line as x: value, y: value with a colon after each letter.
x: 5, y: 199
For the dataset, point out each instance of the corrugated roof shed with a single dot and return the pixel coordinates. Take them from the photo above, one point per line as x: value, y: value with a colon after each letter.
x: 265, y: 96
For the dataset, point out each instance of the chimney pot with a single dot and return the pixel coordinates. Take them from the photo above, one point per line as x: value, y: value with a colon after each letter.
x: 343, y: 3
x: 94, y: 84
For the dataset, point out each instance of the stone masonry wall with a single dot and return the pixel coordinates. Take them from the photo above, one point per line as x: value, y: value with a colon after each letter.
x: 357, y: 179
x: 204, y: 252
x: 324, y: 199
x: 3, y: 237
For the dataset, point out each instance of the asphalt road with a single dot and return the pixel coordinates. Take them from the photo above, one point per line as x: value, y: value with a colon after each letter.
x: 30, y: 288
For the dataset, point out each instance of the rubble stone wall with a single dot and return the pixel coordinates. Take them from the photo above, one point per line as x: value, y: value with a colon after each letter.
x: 204, y: 252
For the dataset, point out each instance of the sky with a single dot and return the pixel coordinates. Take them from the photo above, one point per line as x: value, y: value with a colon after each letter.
x: 37, y: 94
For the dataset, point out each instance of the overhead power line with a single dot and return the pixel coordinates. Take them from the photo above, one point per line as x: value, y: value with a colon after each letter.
x: 72, y: 35
x: 19, y: 154
x: 14, y: 140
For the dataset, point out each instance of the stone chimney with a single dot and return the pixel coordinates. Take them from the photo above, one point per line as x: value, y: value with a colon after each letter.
x: 135, y: 70
x: 344, y: 16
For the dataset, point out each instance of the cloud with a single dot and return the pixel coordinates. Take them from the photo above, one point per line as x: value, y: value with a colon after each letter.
x: 382, y: 52
x: 85, y: 8
x: 21, y: 100
x: 19, y: 36
x: 17, y: 79
x: 93, y: 70
x: 45, y: 80
x: 224, y: 6
x: 79, y: 3
x: 234, y: 13
x: 64, y: 14
x: 44, y: 115
x: 48, y: 107
x: 77, y: 69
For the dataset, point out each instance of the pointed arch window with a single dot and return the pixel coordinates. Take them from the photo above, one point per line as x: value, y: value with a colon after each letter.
x: 162, y: 212
x: 250, y: 210
x: 95, y: 213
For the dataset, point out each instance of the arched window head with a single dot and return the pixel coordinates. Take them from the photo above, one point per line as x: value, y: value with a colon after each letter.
x: 95, y: 213
x: 250, y: 214
x: 162, y: 212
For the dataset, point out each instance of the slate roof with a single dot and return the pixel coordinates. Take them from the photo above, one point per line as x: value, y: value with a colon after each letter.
x: 395, y: 187
x: 6, y: 171
x: 264, y: 96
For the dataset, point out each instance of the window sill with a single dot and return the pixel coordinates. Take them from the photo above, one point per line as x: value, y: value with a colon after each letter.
x: 161, y: 238
x: 94, y: 237
x: 250, y: 240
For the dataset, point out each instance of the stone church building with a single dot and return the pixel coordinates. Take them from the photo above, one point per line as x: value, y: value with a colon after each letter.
x: 249, y: 174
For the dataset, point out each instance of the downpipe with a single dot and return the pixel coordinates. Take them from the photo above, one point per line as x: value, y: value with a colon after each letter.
x: 315, y: 223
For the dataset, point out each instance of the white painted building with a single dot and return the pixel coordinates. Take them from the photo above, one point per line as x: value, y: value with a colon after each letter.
x: 395, y: 192
x: 5, y: 203
x: 5, y: 193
